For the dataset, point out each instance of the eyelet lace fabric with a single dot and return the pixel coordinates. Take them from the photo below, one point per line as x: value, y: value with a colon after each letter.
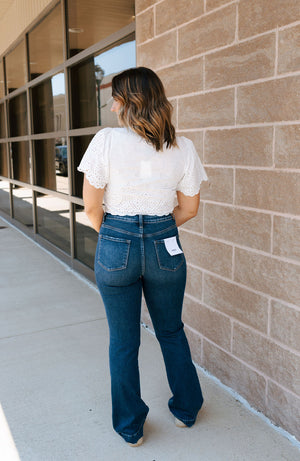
x: 136, y: 178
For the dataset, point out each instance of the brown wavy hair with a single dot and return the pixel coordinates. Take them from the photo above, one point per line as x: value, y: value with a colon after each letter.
x: 144, y: 106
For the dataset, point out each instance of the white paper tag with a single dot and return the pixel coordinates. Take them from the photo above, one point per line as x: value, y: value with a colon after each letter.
x: 172, y: 246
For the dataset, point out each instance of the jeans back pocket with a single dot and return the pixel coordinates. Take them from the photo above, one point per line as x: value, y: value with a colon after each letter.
x: 113, y: 253
x: 165, y: 260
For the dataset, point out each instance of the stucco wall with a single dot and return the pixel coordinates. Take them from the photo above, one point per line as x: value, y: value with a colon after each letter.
x: 232, y: 71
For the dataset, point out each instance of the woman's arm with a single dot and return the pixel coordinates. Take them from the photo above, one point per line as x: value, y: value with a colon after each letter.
x: 187, y: 208
x: 93, y: 200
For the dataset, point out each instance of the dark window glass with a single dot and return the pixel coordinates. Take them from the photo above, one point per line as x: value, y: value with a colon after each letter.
x: 91, y: 84
x: 4, y: 196
x: 16, y: 68
x: 3, y: 161
x: 86, y: 238
x: 91, y: 21
x: 48, y: 104
x: 20, y: 161
x: 51, y: 164
x: 2, y: 93
x: 18, y: 115
x: 2, y: 122
x: 22, y: 199
x: 46, y: 44
x: 54, y: 220
x: 79, y: 146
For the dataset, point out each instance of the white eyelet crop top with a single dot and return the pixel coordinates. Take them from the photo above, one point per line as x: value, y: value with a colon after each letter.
x: 138, y: 179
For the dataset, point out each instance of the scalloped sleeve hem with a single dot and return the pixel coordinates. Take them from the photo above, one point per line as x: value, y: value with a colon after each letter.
x: 94, y: 163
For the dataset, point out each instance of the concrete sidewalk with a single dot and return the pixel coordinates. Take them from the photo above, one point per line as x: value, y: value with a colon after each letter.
x: 55, y: 387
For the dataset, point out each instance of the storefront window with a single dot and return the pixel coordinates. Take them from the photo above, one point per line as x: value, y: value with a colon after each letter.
x: 16, y: 68
x: 91, y: 84
x: 48, y: 103
x: 20, y: 161
x: 3, y: 160
x: 86, y: 238
x: 2, y: 122
x: 53, y: 216
x: 18, y: 115
x: 2, y: 93
x: 51, y: 164
x: 4, y: 197
x: 90, y: 21
x: 46, y: 44
x: 22, y: 199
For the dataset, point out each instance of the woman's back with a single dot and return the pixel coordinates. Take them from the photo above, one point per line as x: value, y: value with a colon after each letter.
x: 139, y: 179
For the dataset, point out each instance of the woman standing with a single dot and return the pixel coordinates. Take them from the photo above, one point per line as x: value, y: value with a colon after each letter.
x: 138, y: 171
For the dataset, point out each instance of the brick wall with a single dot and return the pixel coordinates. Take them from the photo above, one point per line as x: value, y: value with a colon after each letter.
x: 232, y: 72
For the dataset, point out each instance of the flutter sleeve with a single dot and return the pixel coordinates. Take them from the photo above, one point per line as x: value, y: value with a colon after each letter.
x: 95, y: 161
x: 194, y: 172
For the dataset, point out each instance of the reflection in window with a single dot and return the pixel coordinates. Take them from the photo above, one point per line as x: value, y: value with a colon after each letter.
x: 53, y: 216
x: 20, y: 161
x: 90, y: 21
x: 16, y: 68
x: 3, y: 161
x: 2, y: 122
x: 48, y: 103
x: 4, y: 196
x: 18, y: 115
x: 79, y: 146
x: 22, y: 199
x: 51, y: 164
x: 2, y: 93
x: 46, y: 44
x: 86, y: 238
x: 91, y: 84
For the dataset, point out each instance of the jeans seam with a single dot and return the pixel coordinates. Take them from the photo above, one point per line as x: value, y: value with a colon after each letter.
x: 135, y: 434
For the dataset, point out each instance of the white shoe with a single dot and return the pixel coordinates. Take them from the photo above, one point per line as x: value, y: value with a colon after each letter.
x: 179, y: 423
x: 137, y: 444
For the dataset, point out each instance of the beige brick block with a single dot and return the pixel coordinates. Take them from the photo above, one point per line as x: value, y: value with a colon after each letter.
x: 272, y: 101
x: 197, y: 138
x: 243, y: 227
x: 196, y: 224
x: 171, y: 14
x: 159, y: 52
x: 183, y: 78
x: 194, y: 340
x: 287, y: 146
x: 269, y: 190
x: 209, y: 323
x: 219, y: 186
x: 286, y: 237
x: 211, y: 109
x: 207, y: 32
x: 235, y: 374
x: 262, y: 15
x: 208, y: 254
x: 285, y: 323
x: 194, y: 282
x: 240, y: 303
x: 141, y: 5
x: 239, y: 146
x: 283, y: 409
x: 289, y: 50
x: 212, y: 4
x: 276, y: 278
x: 241, y: 63
x: 268, y: 357
x: 145, y: 26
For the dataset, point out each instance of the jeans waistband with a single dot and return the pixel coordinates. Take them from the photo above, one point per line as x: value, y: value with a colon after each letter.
x: 139, y: 218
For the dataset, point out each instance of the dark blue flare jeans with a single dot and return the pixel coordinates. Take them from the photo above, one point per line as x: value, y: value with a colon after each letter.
x: 132, y: 258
